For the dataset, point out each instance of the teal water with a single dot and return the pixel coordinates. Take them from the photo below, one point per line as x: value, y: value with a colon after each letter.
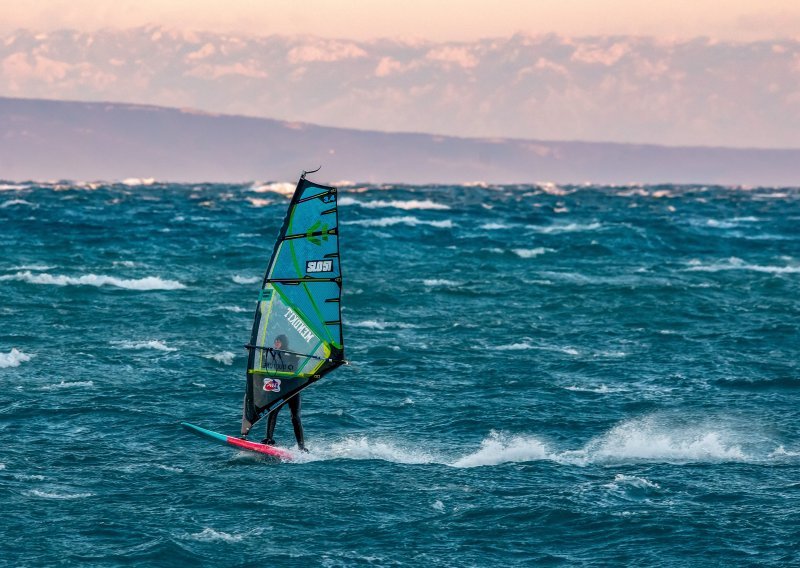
x: 541, y: 375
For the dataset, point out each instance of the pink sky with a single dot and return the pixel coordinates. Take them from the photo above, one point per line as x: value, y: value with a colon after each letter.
x: 744, y: 20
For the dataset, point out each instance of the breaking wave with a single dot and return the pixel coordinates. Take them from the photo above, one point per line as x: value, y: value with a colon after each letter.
x: 734, y: 263
x: 396, y: 204
x: 282, y: 188
x: 151, y: 344
x: 147, y: 283
x: 381, y: 325
x: 408, y: 220
x: 245, y: 279
x: 210, y: 535
x: 60, y: 496
x: 225, y: 357
x: 13, y: 358
x: 67, y: 385
x: 531, y: 253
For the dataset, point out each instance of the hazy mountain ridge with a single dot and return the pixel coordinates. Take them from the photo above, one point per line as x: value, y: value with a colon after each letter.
x: 623, y: 89
x: 41, y: 139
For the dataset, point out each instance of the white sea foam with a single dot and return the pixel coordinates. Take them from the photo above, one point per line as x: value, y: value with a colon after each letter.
x: 734, y: 263
x: 13, y: 358
x: 631, y: 481
x: 362, y: 448
x: 210, y: 535
x: 60, y: 496
x: 33, y: 267
x: 67, y: 385
x: 235, y: 309
x: 515, y: 346
x: 134, y: 182
x: 408, y: 220
x: 648, y: 440
x: 224, y: 357
x: 151, y: 344
x: 781, y: 452
x: 2, y: 466
x: 566, y: 228
x: 531, y: 253
x: 495, y: 226
x: 381, y: 325
x: 282, y: 188
x: 498, y: 448
x: 147, y: 283
x: 409, y: 205
x: 553, y: 189
x: 258, y: 202
x: 245, y: 279
x: 433, y: 282
x: 13, y: 202
x: 438, y: 505
x: 602, y: 389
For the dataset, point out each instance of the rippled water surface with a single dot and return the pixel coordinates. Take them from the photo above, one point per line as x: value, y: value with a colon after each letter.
x: 556, y: 375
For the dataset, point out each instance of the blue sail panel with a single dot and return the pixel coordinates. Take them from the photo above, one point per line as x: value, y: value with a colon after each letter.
x: 297, y: 331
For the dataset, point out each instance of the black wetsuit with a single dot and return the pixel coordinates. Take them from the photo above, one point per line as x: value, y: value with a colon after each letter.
x: 297, y: 424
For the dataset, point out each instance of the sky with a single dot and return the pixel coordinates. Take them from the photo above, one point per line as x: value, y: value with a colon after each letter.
x: 443, y: 20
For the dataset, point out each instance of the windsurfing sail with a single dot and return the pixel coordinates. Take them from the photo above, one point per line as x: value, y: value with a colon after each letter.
x: 297, y: 329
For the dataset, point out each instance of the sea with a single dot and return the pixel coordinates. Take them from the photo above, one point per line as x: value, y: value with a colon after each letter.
x: 540, y: 375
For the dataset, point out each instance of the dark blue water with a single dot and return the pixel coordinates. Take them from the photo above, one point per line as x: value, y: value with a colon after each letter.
x: 540, y: 375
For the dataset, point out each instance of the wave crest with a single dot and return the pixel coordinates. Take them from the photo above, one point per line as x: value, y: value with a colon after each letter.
x: 147, y: 283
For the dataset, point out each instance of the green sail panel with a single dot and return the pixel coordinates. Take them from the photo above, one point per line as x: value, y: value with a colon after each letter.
x: 297, y: 329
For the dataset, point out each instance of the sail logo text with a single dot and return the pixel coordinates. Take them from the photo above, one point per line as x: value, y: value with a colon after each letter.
x: 319, y: 265
x: 272, y: 385
x: 295, y: 321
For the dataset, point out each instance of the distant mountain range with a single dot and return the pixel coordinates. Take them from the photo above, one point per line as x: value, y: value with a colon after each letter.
x: 697, y: 92
x: 44, y: 140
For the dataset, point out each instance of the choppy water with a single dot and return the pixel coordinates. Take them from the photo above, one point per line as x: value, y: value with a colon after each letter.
x: 556, y: 375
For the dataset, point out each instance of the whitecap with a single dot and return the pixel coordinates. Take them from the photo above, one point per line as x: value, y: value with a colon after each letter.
x: 13, y: 202
x: 13, y: 358
x: 602, y: 389
x: 381, y: 325
x: 408, y: 220
x: 734, y: 263
x: 60, y: 496
x: 498, y: 448
x: 531, y: 253
x: 282, y: 188
x: 438, y: 505
x: 495, y: 226
x: 224, y: 357
x: 632, y: 481
x: 566, y: 228
x: 363, y: 449
x: 433, y: 282
x: 210, y: 535
x: 67, y: 385
x: 409, y: 205
x: 134, y: 182
x: 257, y: 202
x: 151, y: 344
x: 12, y: 186
x: 147, y: 283
x: 647, y: 440
x: 515, y: 346
x: 245, y: 279
x: 33, y: 267
x: 235, y: 309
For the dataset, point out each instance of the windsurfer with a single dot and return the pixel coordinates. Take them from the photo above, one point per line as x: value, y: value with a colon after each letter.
x: 281, y: 346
